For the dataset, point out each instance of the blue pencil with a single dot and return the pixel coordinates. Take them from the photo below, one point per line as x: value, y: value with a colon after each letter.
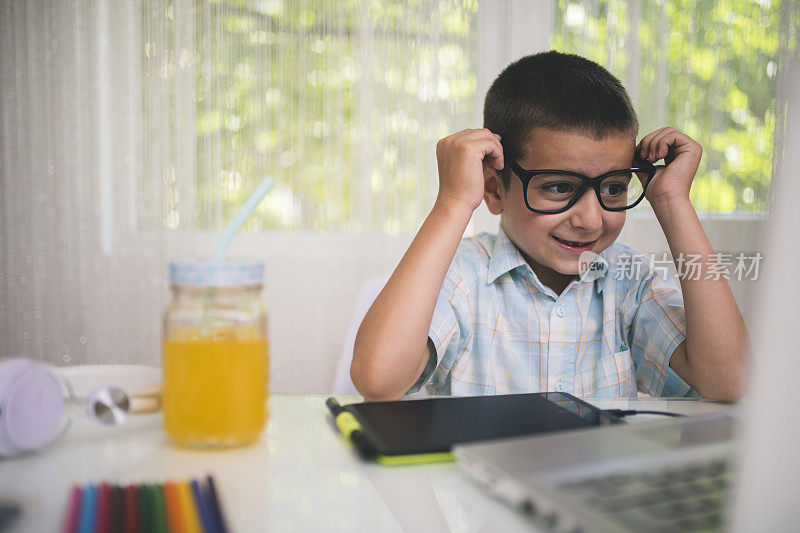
x: 206, y: 515
x: 215, y: 505
x: 86, y: 524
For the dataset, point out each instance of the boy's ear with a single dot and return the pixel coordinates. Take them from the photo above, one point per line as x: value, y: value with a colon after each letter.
x: 493, y: 192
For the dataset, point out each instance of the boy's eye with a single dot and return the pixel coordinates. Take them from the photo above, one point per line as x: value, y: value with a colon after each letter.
x: 559, y: 188
x: 613, y: 189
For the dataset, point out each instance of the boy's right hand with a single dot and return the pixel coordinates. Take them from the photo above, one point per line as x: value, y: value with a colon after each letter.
x: 462, y: 158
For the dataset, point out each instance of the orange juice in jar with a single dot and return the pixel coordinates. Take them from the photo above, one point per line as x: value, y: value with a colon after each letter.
x: 215, y: 354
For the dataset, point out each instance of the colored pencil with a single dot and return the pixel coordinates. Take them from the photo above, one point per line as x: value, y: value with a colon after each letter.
x: 219, y: 518
x: 159, y: 509
x: 86, y: 523
x: 131, y: 510
x: 101, y: 524
x: 191, y: 519
x: 115, y: 522
x: 143, y: 501
x: 152, y: 512
x: 202, y: 506
x: 73, y: 512
x: 173, y: 505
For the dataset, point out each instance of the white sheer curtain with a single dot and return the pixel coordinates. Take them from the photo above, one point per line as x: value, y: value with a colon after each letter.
x: 129, y: 133
x: 69, y: 141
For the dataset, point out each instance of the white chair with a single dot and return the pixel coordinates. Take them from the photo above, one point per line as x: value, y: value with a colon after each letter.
x: 342, y: 384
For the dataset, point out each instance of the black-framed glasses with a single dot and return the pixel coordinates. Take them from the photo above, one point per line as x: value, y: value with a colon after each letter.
x: 550, y: 191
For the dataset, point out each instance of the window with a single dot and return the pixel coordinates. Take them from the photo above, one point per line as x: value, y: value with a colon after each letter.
x: 341, y: 102
x: 707, y: 68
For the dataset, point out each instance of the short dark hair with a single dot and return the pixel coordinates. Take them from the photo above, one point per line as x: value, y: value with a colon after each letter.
x: 557, y: 91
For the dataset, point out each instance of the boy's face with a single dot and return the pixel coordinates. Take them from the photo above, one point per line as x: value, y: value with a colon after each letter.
x: 540, y: 237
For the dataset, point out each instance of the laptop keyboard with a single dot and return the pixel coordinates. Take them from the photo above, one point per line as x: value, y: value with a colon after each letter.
x: 688, y: 498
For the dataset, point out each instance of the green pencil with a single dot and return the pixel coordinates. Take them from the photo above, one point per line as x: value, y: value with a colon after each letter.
x: 159, y: 510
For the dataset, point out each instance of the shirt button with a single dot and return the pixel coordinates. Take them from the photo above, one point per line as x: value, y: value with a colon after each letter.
x: 559, y: 385
x: 559, y: 310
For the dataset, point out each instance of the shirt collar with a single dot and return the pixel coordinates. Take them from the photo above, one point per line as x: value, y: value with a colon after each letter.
x: 506, y: 257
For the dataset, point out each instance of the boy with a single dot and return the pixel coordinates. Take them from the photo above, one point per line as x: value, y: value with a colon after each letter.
x: 509, y: 313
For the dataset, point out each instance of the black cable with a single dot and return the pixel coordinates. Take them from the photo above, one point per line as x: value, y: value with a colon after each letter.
x: 622, y: 413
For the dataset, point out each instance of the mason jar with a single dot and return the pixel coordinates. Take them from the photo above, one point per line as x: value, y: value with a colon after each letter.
x: 215, y: 354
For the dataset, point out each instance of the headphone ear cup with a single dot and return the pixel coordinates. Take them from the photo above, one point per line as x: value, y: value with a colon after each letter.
x: 31, y: 406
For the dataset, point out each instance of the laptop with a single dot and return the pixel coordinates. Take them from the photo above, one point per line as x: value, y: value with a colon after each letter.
x: 671, y: 475
x: 735, y: 470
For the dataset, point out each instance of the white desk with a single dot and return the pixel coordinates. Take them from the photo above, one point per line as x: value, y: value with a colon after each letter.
x: 300, y: 476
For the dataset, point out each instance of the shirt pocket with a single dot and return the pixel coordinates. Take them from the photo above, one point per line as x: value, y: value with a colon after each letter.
x: 614, y: 377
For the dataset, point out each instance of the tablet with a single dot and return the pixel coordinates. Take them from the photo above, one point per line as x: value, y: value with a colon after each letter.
x: 431, y: 427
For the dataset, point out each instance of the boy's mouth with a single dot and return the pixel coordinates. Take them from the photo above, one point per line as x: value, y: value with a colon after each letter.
x: 575, y: 246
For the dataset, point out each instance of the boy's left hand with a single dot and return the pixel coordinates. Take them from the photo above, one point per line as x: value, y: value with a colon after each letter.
x: 682, y: 156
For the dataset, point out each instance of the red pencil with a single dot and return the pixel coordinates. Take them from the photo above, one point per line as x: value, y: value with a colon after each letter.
x: 101, y: 516
x: 131, y: 510
x: 73, y: 510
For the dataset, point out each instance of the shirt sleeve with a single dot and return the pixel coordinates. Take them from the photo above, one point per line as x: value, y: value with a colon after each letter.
x: 445, y: 332
x: 658, y: 328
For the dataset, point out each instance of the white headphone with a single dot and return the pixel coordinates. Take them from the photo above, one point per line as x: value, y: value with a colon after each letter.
x: 31, y: 406
x: 33, y: 401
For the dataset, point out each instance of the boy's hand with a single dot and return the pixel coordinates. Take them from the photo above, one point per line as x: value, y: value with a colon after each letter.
x: 682, y: 156
x: 462, y: 159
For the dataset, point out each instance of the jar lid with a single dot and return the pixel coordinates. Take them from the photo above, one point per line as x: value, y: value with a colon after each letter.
x: 216, y: 273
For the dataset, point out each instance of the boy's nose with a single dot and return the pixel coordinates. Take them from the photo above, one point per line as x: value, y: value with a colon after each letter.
x: 587, y: 213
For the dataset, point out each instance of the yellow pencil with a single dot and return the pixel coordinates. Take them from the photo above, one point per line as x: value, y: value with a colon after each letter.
x: 191, y: 520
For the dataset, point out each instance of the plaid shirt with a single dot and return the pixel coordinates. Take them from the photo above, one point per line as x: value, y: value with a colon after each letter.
x: 497, y: 329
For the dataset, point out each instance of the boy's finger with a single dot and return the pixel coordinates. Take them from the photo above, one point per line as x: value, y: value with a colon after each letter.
x: 494, y: 151
x: 675, y: 139
x: 472, y: 132
x: 482, y: 133
x: 652, y: 144
x: 660, y: 144
x: 467, y: 135
x: 646, y: 144
x: 497, y: 156
x: 491, y: 135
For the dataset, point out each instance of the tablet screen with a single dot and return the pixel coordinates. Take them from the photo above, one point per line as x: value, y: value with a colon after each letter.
x: 437, y: 424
